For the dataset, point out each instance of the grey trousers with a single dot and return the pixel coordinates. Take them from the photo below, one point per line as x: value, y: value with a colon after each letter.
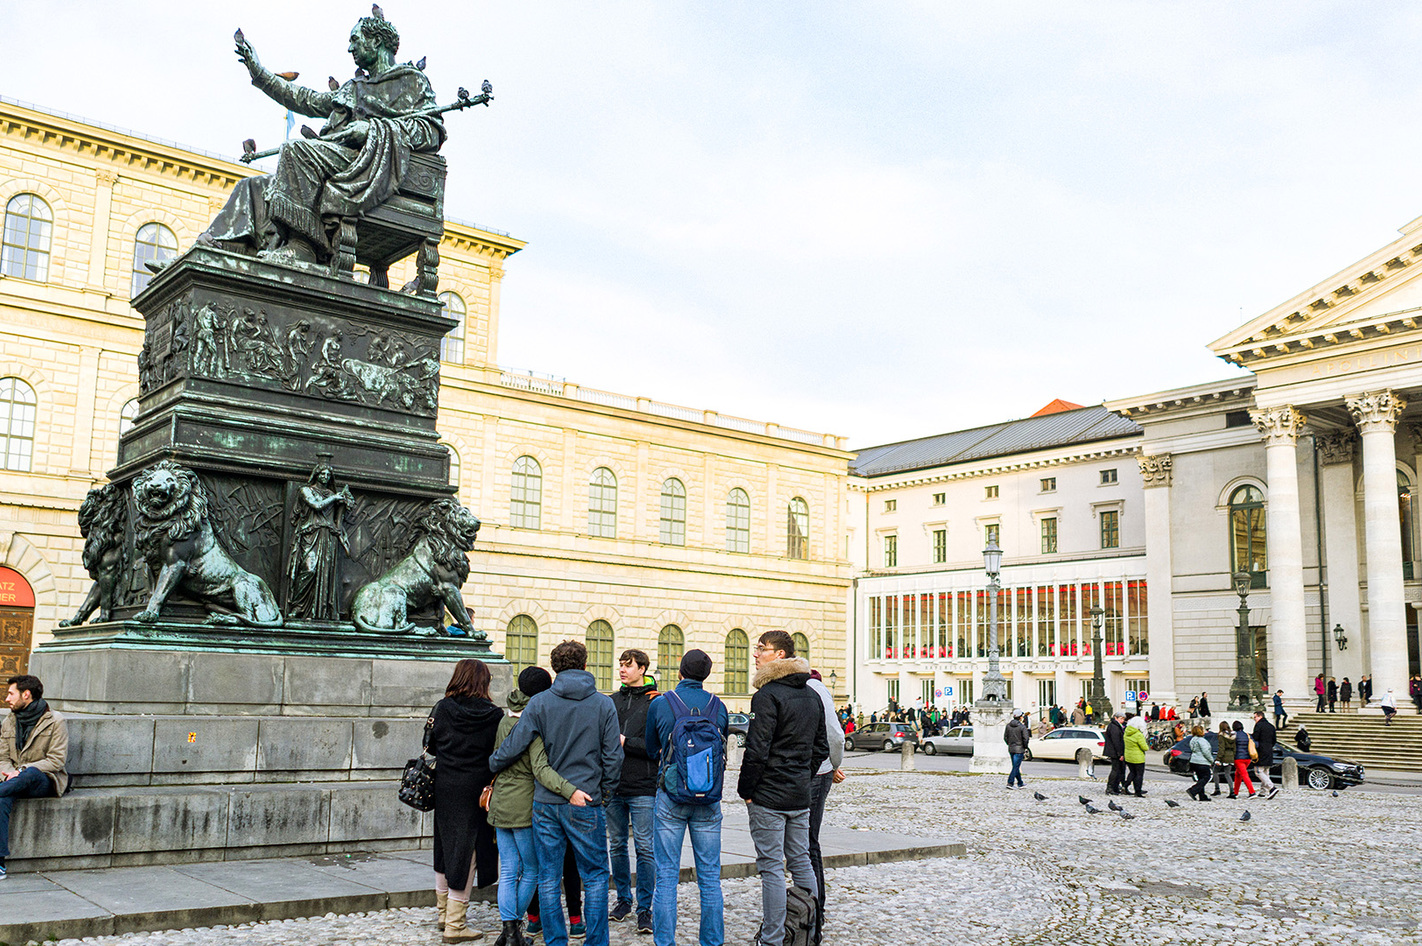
x: 782, y: 839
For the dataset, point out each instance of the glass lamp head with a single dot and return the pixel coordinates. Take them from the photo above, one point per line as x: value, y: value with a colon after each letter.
x: 1242, y: 581
x: 992, y: 558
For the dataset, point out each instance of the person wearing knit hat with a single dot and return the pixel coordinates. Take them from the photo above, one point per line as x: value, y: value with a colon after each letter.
x: 534, y: 680
x: 674, y: 820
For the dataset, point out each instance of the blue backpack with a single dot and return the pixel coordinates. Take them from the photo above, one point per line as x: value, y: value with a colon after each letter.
x: 694, y: 760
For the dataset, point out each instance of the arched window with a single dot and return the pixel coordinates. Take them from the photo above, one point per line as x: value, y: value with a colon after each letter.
x: 737, y: 521
x: 452, y: 348
x: 671, y: 644
x: 154, y: 243
x: 736, y: 673
x: 1404, y: 512
x: 24, y: 247
x: 526, y: 505
x: 797, y: 529
x: 1247, y: 533
x: 602, y: 504
x: 454, y: 466
x: 600, y: 653
x: 521, y: 643
x: 17, y: 424
x: 802, y: 646
x: 126, y: 415
x: 673, y: 521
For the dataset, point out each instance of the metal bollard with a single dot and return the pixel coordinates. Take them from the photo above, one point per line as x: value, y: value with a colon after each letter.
x: 1289, y: 777
x: 906, y: 762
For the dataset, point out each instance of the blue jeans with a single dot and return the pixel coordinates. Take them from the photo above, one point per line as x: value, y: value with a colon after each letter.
x: 672, y: 823
x: 30, y: 783
x: 1016, y: 772
x: 555, y: 828
x: 782, y: 841
x: 636, y: 809
x: 518, y: 871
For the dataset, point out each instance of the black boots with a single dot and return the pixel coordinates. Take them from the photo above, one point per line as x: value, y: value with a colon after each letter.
x: 512, y: 935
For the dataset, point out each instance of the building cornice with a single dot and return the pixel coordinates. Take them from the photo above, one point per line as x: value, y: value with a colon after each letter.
x: 1004, y: 465
x: 1205, y: 398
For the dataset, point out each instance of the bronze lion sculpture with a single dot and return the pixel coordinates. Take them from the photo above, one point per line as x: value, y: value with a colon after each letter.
x: 434, y: 570
x: 176, y: 539
x: 103, y: 517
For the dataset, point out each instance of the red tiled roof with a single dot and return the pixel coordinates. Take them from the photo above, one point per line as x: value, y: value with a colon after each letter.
x: 1056, y: 407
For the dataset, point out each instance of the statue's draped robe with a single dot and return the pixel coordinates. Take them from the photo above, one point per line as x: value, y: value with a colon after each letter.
x: 316, y: 178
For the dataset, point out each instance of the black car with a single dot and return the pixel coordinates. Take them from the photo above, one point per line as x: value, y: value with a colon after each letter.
x: 886, y: 736
x: 1316, y: 771
x: 738, y: 725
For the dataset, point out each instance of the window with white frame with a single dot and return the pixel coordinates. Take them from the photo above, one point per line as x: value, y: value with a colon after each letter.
x: 602, y: 504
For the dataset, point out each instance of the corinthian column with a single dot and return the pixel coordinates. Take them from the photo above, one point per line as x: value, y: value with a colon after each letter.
x: 1155, y: 476
x: 1376, y: 416
x: 1288, y: 634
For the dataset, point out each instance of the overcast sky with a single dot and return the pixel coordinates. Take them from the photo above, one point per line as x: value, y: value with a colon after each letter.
x: 881, y: 220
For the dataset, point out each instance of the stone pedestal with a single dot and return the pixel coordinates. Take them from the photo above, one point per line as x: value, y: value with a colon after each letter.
x: 989, y: 749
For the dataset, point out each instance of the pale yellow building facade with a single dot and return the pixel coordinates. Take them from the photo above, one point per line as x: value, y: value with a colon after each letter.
x: 677, y: 527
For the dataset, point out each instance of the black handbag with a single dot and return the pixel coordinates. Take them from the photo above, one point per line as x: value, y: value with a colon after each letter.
x: 417, y: 782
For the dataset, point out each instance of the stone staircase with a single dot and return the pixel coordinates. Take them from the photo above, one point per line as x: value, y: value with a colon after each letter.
x: 1362, y: 737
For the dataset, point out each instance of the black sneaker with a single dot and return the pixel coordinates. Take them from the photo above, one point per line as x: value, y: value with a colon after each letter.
x: 620, y: 912
x: 644, y: 921
x: 1273, y: 791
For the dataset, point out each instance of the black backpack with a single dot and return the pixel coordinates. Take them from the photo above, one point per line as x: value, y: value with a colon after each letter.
x: 802, y: 920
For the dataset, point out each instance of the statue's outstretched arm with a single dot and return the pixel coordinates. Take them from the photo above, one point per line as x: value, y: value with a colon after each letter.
x: 298, y: 98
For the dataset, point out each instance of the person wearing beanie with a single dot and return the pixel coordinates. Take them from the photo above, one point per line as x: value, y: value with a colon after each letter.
x: 580, y: 734
x: 785, y: 746
x: 631, y: 807
x: 510, y: 805
x: 674, y: 821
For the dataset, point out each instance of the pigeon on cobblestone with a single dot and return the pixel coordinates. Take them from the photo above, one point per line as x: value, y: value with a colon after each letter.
x: 1126, y: 815
x: 1114, y: 807
x: 1092, y: 811
x: 1246, y: 816
x: 1083, y: 800
x: 1171, y: 804
x: 1039, y: 796
x: 1335, y: 794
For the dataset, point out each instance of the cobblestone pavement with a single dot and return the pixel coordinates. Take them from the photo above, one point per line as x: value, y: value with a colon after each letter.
x: 1308, y: 868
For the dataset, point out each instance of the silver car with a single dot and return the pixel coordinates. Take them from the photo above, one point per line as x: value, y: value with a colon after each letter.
x: 956, y: 741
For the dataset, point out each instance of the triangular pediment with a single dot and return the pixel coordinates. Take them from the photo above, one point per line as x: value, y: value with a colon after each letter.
x: 1379, y: 296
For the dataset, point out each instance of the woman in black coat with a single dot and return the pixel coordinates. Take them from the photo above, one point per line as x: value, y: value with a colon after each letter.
x: 461, y: 740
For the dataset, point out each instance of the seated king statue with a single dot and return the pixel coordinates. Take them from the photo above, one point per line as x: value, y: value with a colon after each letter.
x: 373, y: 122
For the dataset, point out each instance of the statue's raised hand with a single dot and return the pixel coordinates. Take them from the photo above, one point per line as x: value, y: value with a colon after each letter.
x: 247, y: 55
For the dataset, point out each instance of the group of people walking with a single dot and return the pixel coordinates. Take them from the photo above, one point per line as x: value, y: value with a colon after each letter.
x: 1233, y: 754
x: 543, y: 798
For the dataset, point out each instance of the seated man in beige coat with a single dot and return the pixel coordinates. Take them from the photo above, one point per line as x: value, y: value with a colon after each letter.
x: 34, y: 744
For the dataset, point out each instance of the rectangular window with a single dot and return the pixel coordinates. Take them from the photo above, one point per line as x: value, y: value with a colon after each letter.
x: 980, y: 647
x: 876, y: 627
x: 1114, y: 620
x: 992, y: 532
x: 990, y: 492
x: 940, y: 546
x: 890, y: 505
x: 940, y: 498
x: 1046, y: 622
x: 1022, y: 637
x: 1069, y: 628
x: 927, y: 691
x: 1108, y: 477
x: 962, y: 620
x: 1138, y: 636
x: 965, y: 691
x: 891, y: 627
x: 944, y: 645
x: 1049, y: 536
x: 1046, y: 693
x: 1110, y: 529
x: 891, y: 551
x: 891, y: 688
x: 1049, y: 484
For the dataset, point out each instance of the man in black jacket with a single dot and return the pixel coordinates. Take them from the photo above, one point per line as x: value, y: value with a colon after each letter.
x: 1265, y: 735
x: 634, y: 799
x: 1115, y: 751
x: 785, y: 746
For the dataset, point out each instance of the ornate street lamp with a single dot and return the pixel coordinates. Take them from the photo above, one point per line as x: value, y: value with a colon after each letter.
x: 1100, y: 705
x: 1340, y: 637
x: 994, y: 683
x: 1244, y: 692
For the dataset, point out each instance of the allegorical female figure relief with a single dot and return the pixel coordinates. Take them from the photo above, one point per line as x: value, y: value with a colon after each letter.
x: 313, y: 589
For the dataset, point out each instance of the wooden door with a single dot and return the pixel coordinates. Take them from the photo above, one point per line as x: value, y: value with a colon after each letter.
x: 16, y: 632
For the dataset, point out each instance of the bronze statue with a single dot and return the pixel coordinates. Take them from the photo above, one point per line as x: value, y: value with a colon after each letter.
x: 103, y: 519
x: 373, y: 122
x: 314, y: 588
x: 433, y: 572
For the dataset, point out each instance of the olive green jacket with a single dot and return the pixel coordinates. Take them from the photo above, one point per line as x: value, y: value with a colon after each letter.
x: 512, y: 802
x: 46, y: 749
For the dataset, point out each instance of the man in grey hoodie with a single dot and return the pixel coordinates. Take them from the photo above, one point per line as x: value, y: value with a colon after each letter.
x: 829, y: 774
x: 584, y: 744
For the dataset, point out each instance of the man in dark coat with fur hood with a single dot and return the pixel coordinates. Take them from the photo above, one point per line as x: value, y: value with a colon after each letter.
x: 785, y: 745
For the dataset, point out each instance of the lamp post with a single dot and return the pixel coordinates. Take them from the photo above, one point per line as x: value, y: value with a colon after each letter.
x: 1244, y: 691
x: 1100, y: 705
x: 994, y: 683
x: 1340, y: 637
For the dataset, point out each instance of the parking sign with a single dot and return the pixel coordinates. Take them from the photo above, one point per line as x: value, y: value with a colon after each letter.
x: 1130, y: 696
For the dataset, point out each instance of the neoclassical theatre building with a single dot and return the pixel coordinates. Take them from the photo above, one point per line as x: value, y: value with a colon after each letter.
x: 614, y: 519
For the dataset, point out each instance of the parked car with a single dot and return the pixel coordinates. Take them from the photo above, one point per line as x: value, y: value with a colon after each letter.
x: 956, y: 741
x: 1061, y: 744
x: 886, y: 736
x: 1318, y: 772
x: 739, y: 724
